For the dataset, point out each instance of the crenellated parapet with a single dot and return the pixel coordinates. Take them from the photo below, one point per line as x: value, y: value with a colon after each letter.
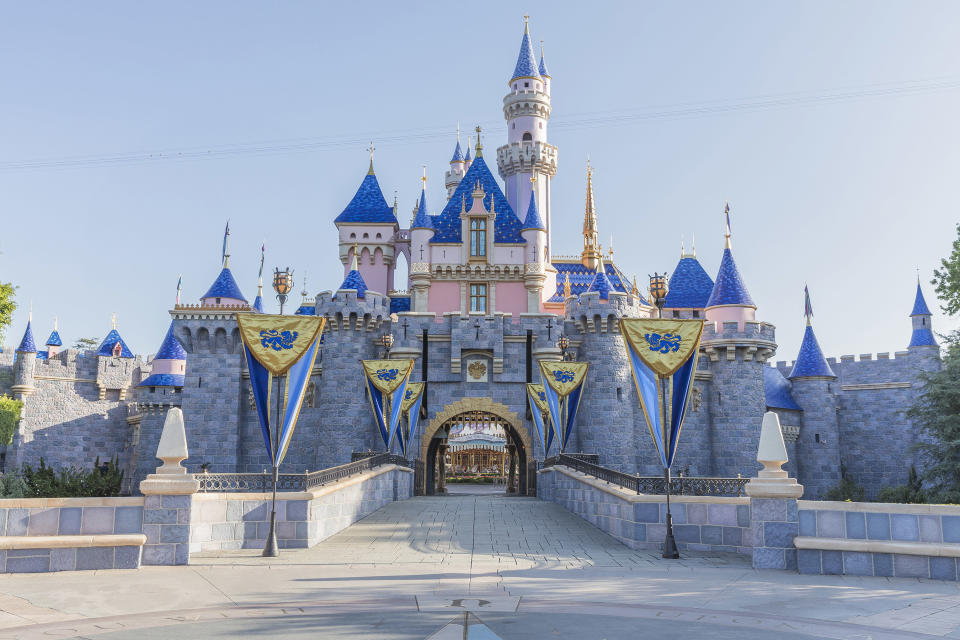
x: 345, y: 311
x: 205, y: 329
x: 756, y: 341
x: 590, y: 314
x: 520, y: 157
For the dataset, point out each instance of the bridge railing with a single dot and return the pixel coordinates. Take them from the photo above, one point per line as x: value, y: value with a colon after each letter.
x: 263, y: 482
x: 655, y: 485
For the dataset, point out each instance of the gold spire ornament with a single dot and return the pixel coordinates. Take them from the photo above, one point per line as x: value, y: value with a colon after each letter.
x: 566, y: 286
x: 591, y: 244
x: 371, y: 149
x: 479, y: 151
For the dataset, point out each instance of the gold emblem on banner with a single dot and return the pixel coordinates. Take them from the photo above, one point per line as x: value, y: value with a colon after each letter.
x: 278, y: 342
x: 563, y: 377
x: 387, y: 375
x: 663, y: 345
x: 410, y: 395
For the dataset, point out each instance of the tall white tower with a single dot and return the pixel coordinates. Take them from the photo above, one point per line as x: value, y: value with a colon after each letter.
x: 527, y: 154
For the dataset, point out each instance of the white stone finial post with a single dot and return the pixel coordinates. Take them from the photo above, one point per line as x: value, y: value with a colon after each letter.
x: 171, y: 477
x: 772, y: 481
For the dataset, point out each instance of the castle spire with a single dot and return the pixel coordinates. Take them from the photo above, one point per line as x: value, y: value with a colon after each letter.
x: 371, y: 149
x: 226, y: 247
x: 479, y: 145
x: 726, y: 212
x: 922, y: 320
x: 810, y: 362
x: 526, y: 61
x: 591, y: 243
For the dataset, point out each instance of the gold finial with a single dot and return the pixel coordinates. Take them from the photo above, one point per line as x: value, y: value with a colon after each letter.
x: 463, y: 203
x: 479, y: 151
x: 424, y: 178
x: 355, y: 264
x: 54, y: 323
x: 726, y: 234
x: 610, y: 250
x: 533, y: 178
x: 635, y: 291
x: 591, y: 242
x: 566, y: 286
x: 458, y: 131
x: 526, y: 22
x: 30, y: 313
x: 113, y: 320
x: 371, y: 149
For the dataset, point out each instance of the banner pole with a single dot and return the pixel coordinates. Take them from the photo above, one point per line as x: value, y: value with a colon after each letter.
x: 669, y: 544
x: 270, y: 549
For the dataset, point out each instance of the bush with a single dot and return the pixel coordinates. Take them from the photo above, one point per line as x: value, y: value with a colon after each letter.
x: 101, y: 481
x: 910, y: 493
x: 12, y: 486
x: 10, y: 409
x: 846, y: 491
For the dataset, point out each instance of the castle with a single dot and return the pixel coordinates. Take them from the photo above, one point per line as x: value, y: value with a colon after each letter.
x: 486, y: 299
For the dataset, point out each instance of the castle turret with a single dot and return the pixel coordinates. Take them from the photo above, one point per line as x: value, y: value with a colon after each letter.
x: 169, y: 364
x: 54, y: 342
x: 730, y: 301
x: 26, y: 359
x: 921, y: 319
x: 813, y: 384
x: 458, y: 167
x: 421, y: 231
x: 368, y: 225
x: 542, y: 68
x: 689, y: 288
x: 468, y: 159
x: 535, y: 233
x: 601, y: 283
x: 527, y: 153
x: 224, y: 291
x: 354, y: 280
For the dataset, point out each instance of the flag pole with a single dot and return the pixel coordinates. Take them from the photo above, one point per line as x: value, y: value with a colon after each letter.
x: 270, y: 549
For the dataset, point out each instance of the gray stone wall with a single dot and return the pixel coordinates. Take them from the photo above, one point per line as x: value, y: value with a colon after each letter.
x: 819, y: 443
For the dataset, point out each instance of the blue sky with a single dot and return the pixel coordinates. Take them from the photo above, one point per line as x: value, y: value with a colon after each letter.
x: 130, y: 132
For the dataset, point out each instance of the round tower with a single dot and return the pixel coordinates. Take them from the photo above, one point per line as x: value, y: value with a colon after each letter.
x: 729, y: 300
x: 458, y: 167
x: 814, y: 384
x: 922, y: 340
x: 54, y: 342
x: 421, y: 231
x: 26, y: 359
x: 224, y: 292
x: 527, y: 153
x: 534, y: 275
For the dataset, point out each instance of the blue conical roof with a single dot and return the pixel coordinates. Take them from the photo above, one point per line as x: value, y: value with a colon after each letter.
x: 533, y: 221
x: 526, y: 62
x: 27, y: 344
x: 810, y: 361
x: 258, y: 304
x: 601, y: 284
x: 422, y: 219
x: 54, y: 339
x: 506, y: 226
x: 690, y: 286
x: 777, y: 390
x: 922, y: 337
x: 457, y: 153
x: 354, y: 281
x: 919, y: 304
x: 543, y: 67
x: 729, y: 287
x: 225, y: 286
x: 171, y: 349
x: 368, y: 204
x: 468, y: 157
x: 106, y: 347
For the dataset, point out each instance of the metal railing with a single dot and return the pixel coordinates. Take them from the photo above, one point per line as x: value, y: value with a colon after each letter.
x: 656, y: 485
x: 263, y: 482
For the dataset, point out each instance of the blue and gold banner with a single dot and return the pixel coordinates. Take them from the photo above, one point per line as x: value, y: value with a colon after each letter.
x: 541, y: 415
x: 663, y: 358
x: 386, y: 385
x: 273, y: 346
x: 410, y: 407
x: 563, y: 386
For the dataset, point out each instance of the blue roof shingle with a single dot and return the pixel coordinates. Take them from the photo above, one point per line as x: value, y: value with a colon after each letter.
x: 922, y: 337
x: 399, y: 303
x: 258, y: 304
x: 729, y: 287
x: 533, y: 221
x: 423, y: 219
x: 225, y: 286
x: 457, y: 153
x: 106, y: 347
x: 601, y: 285
x: 306, y: 310
x: 368, y: 204
x: 543, y: 67
x: 54, y: 339
x: 777, y: 389
x: 163, y: 380
x: 507, y: 225
x: 27, y: 344
x: 810, y: 361
x: 526, y: 62
x: 581, y: 278
x: 690, y: 286
x: 919, y: 304
x: 354, y: 281
x: 170, y: 348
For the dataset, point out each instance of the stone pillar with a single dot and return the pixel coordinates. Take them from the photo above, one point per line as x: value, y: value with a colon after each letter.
x: 441, y: 469
x: 773, y: 502
x: 168, y: 498
x: 512, y: 474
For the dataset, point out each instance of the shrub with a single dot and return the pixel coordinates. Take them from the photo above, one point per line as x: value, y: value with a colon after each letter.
x: 846, y: 491
x: 911, y: 493
x: 44, y: 482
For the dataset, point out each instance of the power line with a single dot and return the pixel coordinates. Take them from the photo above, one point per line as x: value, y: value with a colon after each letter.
x: 572, y: 122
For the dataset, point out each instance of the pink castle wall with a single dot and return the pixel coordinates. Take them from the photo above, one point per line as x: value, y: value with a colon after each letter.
x: 511, y: 298
x: 443, y: 297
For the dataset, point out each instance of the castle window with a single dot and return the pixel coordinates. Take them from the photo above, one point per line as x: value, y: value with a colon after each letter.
x: 379, y: 236
x: 478, y: 237
x: 676, y: 314
x: 478, y: 297
x: 619, y: 394
x: 541, y: 125
x: 514, y: 86
x: 527, y: 137
x: 538, y: 86
x: 816, y: 437
x: 526, y: 85
x: 353, y: 236
x: 696, y: 314
x: 366, y: 235
x: 218, y: 300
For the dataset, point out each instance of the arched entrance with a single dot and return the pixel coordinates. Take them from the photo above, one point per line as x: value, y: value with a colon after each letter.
x: 473, y: 411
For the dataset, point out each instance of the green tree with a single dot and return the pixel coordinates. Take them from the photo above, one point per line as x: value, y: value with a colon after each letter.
x: 946, y: 280
x: 10, y: 409
x: 7, y: 307
x: 936, y: 413
x: 86, y: 343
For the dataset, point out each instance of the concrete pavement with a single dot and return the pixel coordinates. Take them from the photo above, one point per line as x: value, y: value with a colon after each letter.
x: 526, y: 568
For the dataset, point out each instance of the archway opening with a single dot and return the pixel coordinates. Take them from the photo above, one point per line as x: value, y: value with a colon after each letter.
x: 477, y: 451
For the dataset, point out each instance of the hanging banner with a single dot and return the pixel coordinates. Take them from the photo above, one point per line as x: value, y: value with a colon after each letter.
x: 541, y: 415
x: 563, y: 386
x: 410, y: 407
x: 663, y: 359
x: 276, y: 345
x: 386, y: 384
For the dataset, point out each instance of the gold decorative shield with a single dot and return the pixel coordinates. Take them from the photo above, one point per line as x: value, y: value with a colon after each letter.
x: 277, y: 342
x: 387, y: 375
x: 563, y: 377
x: 410, y: 395
x: 663, y: 345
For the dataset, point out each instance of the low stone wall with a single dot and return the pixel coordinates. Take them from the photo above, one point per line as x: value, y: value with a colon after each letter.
x: 222, y: 521
x: 62, y: 534
x: 699, y: 523
x: 875, y: 539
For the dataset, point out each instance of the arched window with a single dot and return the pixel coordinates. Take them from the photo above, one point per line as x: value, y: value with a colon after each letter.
x: 353, y: 236
x: 366, y: 235
x: 527, y: 137
x: 379, y: 236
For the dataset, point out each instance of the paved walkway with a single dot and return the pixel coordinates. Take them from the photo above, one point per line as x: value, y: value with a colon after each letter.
x: 525, y: 568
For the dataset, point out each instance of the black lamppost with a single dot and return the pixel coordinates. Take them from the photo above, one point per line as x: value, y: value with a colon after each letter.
x: 658, y: 293
x: 563, y: 343
x: 282, y: 284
